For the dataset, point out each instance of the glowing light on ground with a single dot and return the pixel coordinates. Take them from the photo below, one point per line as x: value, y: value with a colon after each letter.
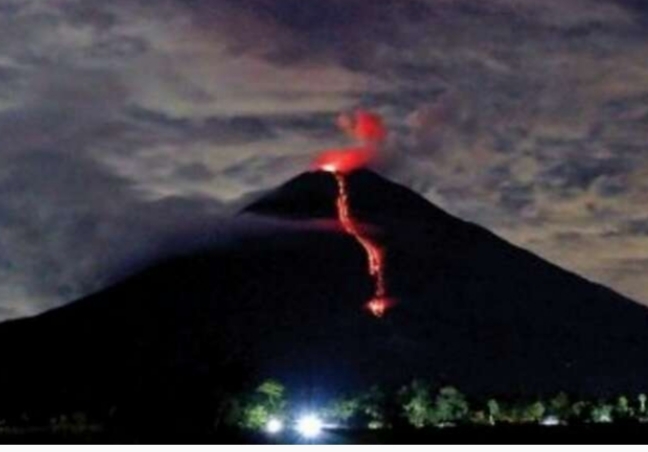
x: 274, y: 426
x: 309, y: 426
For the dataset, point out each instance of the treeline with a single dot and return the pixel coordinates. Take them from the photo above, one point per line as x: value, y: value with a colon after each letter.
x: 419, y: 404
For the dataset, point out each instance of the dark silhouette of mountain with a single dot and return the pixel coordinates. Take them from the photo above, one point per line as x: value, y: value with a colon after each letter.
x: 472, y: 310
x: 375, y: 199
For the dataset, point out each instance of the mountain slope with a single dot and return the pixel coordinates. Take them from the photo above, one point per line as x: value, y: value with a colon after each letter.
x: 472, y: 310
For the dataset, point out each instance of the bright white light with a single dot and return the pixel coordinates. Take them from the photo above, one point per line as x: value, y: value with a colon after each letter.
x: 309, y: 426
x: 274, y: 425
x: 550, y: 420
x: 329, y: 167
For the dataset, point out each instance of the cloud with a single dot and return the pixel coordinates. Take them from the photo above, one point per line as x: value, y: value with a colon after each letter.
x: 69, y: 227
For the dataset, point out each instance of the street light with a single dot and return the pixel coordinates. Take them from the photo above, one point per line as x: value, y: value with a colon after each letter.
x: 274, y: 426
x: 309, y: 426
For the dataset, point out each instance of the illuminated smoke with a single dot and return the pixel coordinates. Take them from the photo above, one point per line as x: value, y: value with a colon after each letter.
x: 364, y: 126
x: 344, y: 160
x: 367, y: 128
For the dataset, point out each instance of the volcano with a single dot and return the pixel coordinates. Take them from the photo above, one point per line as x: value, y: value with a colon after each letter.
x: 473, y: 311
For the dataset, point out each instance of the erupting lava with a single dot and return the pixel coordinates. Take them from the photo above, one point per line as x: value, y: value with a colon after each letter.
x: 367, y: 128
x: 375, y: 256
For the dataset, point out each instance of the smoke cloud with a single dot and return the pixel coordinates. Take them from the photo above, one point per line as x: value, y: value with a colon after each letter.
x: 365, y: 127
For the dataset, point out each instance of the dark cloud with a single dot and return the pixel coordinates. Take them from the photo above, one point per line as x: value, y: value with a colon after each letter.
x: 638, y: 7
x: 347, y: 32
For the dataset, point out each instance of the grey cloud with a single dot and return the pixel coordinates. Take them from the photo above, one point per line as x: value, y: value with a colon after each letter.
x: 573, y: 175
x: 610, y: 186
x: 89, y: 14
x: 637, y: 227
x: 70, y: 223
x: 257, y: 168
x: 494, y: 86
x: 569, y: 237
x: 119, y: 47
x: 193, y: 172
x: 122, y: 121
x: 515, y: 197
x: 217, y: 129
x: 69, y: 227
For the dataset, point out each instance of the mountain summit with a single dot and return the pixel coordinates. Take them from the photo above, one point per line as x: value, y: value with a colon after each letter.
x: 472, y: 310
x: 373, y: 198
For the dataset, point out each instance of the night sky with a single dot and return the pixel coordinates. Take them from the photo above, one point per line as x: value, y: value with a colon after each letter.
x: 125, y: 123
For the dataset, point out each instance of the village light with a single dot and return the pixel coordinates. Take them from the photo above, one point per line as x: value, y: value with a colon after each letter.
x: 274, y: 426
x: 309, y: 426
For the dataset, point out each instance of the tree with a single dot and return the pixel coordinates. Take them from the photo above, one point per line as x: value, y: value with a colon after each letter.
x: 622, y: 409
x: 273, y: 393
x: 478, y: 417
x: 267, y: 401
x: 372, y: 405
x: 642, y: 404
x: 581, y: 411
x: 255, y: 417
x: 494, y: 411
x: 417, y: 404
x: 602, y: 413
x: 533, y: 412
x: 344, y: 410
x: 559, y: 406
x: 450, y: 406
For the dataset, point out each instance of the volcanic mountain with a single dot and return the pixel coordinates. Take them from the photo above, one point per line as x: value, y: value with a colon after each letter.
x: 472, y: 310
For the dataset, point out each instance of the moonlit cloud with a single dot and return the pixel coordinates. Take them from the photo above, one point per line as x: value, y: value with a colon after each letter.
x: 124, y: 122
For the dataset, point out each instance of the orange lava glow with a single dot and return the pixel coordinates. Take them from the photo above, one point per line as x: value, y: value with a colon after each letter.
x: 378, y: 306
x: 375, y: 255
x: 368, y: 129
x: 344, y: 160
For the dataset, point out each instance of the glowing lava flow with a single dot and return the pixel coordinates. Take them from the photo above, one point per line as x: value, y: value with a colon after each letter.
x: 379, y: 303
x: 367, y: 129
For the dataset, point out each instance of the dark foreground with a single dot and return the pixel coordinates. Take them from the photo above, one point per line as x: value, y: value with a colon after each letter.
x: 525, y: 434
